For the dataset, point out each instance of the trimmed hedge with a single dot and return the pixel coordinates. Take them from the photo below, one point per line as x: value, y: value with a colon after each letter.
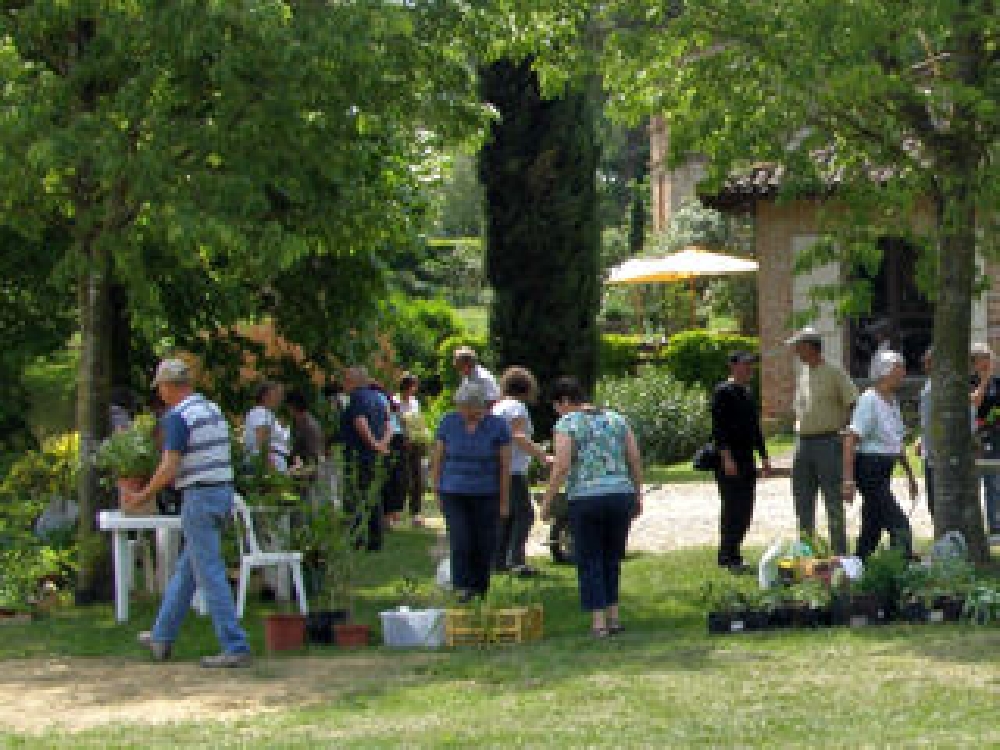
x: 619, y: 355
x: 670, y: 419
x: 700, y: 357
x: 418, y: 329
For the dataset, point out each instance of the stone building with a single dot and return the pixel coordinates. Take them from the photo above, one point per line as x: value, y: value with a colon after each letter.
x: 782, y: 230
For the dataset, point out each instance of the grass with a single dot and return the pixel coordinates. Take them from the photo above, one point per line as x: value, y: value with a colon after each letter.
x: 664, y: 683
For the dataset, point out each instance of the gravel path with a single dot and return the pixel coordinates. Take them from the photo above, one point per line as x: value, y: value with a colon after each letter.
x: 687, y: 515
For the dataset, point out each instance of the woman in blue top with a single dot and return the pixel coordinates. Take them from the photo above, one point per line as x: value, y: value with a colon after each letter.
x: 872, y: 446
x: 598, y: 453
x: 470, y: 469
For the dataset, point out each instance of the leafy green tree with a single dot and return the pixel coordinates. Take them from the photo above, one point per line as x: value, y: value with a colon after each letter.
x: 36, y: 316
x: 893, y: 103
x: 538, y: 168
x: 240, y: 142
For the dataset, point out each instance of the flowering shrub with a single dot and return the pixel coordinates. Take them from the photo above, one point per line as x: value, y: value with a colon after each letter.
x: 27, y: 555
x: 670, y: 419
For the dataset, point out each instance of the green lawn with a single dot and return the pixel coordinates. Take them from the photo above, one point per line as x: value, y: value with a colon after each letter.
x: 664, y: 683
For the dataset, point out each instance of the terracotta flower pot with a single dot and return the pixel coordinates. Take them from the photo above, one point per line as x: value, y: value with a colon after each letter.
x: 130, y: 485
x: 284, y: 632
x: 351, y: 635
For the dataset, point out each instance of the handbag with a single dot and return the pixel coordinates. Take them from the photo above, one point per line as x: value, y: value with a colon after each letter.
x: 707, y: 458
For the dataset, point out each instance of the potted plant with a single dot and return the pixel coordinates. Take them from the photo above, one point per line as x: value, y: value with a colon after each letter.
x: 323, y: 536
x: 982, y: 605
x: 937, y: 592
x: 810, y: 603
x: 729, y: 608
x: 131, y: 455
x: 873, y: 597
x: 284, y: 631
x: 347, y: 546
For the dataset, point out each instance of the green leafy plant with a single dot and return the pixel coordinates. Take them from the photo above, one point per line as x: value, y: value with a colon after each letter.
x: 813, y: 594
x: 884, y: 573
x: 727, y: 598
x: 982, y: 605
x: 131, y: 452
x: 670, y: 419
x: 333, y: 542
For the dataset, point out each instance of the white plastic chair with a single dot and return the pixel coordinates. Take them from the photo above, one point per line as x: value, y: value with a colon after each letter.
x: 254, y: 557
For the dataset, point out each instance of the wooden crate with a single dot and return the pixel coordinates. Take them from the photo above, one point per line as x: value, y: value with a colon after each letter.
x: 464, y: 627
x: 517, y: 624
x: 469, y: 627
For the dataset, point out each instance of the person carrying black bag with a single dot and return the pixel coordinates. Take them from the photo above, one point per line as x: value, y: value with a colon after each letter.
x: 736, y: 433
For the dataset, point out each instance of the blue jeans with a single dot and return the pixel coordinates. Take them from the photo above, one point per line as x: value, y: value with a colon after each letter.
x: 600, y: 526
x: 472, y: 522
x: 203, y: 514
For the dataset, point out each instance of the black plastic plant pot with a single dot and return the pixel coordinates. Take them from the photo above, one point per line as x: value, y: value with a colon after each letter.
x: 727, y: 622
x: 319, y: 625
x: 860, y: 610
x: 806, y: 616
x: 946, y: 609
x: 914, y: 612
x: 758, y: 619
x: 781, y: 617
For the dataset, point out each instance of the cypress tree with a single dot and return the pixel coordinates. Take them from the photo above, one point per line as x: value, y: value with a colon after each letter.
x: 538, y: 169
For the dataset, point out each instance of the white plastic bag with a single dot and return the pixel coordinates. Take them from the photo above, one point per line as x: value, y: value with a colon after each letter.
x: 443, y: 576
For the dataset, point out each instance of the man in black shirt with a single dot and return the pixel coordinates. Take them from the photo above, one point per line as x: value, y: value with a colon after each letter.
x: 737, y: 434
x: 986, y: 398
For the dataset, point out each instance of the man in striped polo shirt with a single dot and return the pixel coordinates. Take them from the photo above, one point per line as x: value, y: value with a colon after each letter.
x: 196, y: 459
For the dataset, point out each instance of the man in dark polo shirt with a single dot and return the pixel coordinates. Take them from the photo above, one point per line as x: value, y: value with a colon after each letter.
x: 365, y: 434
x: 737, y: 434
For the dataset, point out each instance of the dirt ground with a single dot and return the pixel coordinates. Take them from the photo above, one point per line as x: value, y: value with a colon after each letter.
x: 76, y: 693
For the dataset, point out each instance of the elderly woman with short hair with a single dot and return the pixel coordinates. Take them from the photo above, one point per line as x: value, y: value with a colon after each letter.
x: 872, y: 447
x: 470, y: 470
x: 519, y: 388
x: 596, y: 453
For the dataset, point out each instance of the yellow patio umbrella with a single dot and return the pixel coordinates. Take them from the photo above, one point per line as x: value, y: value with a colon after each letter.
x: 686, y: 265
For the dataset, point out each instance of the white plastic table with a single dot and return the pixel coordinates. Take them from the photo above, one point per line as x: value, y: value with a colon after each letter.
x: 168, y: 538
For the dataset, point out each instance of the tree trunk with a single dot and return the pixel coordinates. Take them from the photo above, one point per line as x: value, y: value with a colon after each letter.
x: 538, y: 169
x: 93, y: 583
x: 957, y: 505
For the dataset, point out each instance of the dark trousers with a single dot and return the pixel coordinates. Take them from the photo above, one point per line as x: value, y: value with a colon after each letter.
x: 879, y: 509
x: 363, y: 502
x: 413, y: 480
x: 929, y: 485
x: 737, y: 496
x: 600, y: 526
x: 472, y: 536
x: 515, y: 528
x: 393, y: 488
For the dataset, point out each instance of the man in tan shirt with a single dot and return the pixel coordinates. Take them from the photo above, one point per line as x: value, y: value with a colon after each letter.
x: 824, y: 397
